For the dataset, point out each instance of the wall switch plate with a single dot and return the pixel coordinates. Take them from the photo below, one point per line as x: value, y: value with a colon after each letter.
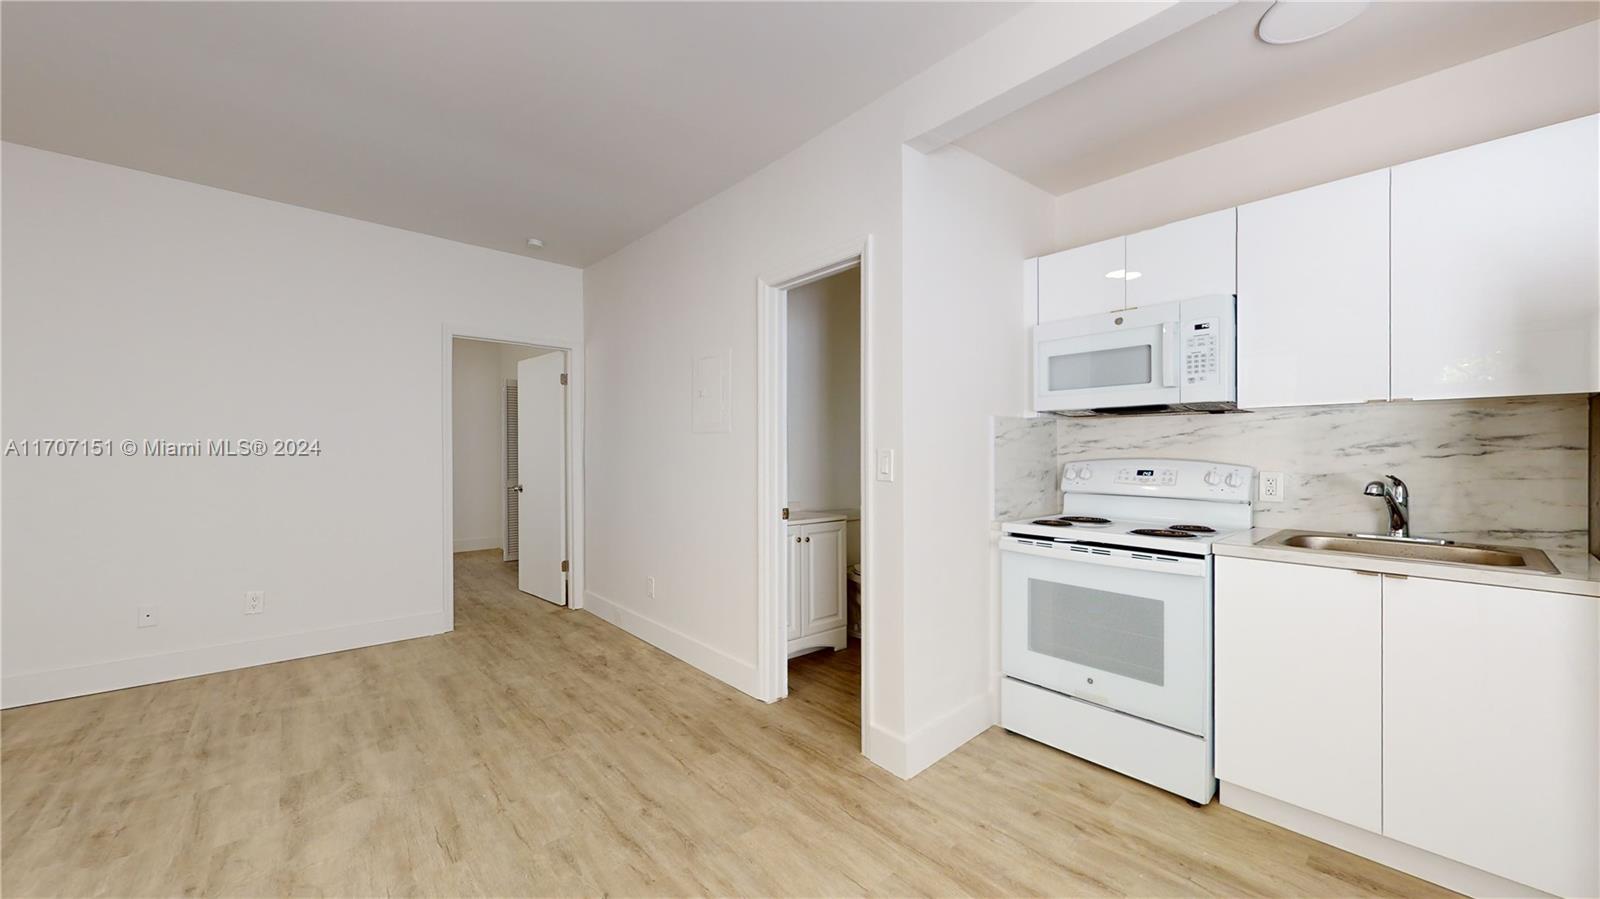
x: 147, y: 616
x: 650, y: 587
x: 255, y: 602
x: 886, y: 465
x: 1271, y: 487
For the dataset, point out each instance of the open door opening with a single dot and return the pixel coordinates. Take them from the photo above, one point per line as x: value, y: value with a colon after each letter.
x: 815, y: 509
x: 510, y: 502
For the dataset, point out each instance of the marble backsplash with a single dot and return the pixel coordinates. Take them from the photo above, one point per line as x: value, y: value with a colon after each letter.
x: 1025, y: 468
x: 1506, y: 469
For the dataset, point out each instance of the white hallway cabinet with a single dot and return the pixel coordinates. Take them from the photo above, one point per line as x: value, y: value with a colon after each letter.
x: 818, y: 613
x: 1459, y: 719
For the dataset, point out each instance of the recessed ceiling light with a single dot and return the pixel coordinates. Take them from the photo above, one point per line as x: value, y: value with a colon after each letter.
x: 535, y: 243
x: 1293, y: 21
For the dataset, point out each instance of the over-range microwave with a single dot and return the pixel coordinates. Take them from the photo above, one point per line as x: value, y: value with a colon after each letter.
x: 1171, y: 357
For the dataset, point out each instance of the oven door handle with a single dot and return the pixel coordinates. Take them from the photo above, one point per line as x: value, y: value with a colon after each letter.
x: 1169, y: 354
x: 1083, y: 554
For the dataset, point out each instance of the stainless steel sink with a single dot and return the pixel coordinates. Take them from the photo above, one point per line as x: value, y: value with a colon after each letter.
x: 1416, y: 550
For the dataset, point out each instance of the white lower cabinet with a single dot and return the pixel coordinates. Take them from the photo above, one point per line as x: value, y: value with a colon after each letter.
x: 1459, y: 719
x: 818, y: 613
x: 1299, y: 712
x: 1491, y: 729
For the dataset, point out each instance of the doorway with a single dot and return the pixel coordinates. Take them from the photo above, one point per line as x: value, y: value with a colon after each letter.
x: 510, y: 472
x: 815, y: 551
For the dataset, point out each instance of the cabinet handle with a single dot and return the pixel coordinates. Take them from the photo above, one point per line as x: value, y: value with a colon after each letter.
x: 1367, y: 573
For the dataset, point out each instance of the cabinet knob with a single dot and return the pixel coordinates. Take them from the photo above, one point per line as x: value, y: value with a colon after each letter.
x: 797, y: 539
x: 808, y: 539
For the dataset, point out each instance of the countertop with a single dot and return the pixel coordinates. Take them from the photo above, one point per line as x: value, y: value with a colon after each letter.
x: 810, y: 516
x: 1579, y: 571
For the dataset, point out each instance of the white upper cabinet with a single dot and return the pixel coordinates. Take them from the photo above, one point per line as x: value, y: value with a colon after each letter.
x: 1314, y: 295
x: 1496, y: 255
x: 1191, y: 258
x: 1074, y: 282
x: 1491, y: 729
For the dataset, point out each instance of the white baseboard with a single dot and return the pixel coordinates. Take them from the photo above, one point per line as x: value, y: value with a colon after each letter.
x: 1381, y: 849
x: 734, y: 672
x: 472, y: 544
x: 61, y: 683
x: 906, y: 757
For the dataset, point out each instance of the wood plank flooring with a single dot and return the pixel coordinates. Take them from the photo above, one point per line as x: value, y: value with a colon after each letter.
x: 540, y: 752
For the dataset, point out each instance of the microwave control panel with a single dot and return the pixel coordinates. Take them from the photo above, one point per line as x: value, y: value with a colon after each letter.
x: 1202, y: 351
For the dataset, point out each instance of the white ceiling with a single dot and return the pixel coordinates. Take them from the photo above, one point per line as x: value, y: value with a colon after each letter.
x: 1215, y: 81
x: 584, y: 124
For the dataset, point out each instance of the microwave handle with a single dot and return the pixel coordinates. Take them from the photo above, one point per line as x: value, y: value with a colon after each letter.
x: 1169, y: 352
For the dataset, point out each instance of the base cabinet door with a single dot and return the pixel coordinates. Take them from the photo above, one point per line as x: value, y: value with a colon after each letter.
x: 824, y: 565
x: 797, y: 582
x: 1491, y: 740
x: 1298, y: 686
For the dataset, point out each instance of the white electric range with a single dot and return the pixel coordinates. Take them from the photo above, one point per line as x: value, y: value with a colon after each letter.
x: 1106, y: 616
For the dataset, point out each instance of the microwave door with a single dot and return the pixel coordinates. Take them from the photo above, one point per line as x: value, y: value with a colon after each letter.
x: 1128, y: 367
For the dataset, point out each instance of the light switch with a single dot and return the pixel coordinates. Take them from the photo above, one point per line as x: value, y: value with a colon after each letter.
x: 886, y: 465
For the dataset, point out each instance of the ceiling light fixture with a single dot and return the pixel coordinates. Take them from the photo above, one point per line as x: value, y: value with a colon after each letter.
x: 1293, y: 21
x: 535, y: 243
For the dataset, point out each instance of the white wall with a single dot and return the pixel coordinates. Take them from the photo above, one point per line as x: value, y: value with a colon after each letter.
x: 478, y: 462
x: 1549, y: 80
x: 143, y: 307
x: 968, y: 226
x: 825, y: 393
x: 690, y: 286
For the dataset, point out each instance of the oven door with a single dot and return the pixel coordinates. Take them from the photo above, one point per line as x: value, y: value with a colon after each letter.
x: 1125, y: 629
x: 1106, y: 361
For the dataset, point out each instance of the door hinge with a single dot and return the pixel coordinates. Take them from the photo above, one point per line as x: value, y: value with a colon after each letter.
x: 563, y: 564
x: 785, y: 513
x: 563, y: 379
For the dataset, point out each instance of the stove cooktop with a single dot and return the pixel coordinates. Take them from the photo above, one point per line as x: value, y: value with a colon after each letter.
x: 1177, y: 536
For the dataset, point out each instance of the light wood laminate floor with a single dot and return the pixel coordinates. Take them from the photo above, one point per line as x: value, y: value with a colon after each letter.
x: 536, y: 751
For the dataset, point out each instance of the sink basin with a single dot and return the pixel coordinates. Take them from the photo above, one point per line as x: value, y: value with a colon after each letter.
x: 1412, y: 551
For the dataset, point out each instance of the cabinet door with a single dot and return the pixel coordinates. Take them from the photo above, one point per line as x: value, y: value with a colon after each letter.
x: 797, y: 581
x: 1314, y: 295
x: 1497, y: 267
x: 1191, y: 258
x: 824, y: 564
x: 1073, y: 282
x: 1298, y: 686
x: 1491, y: 741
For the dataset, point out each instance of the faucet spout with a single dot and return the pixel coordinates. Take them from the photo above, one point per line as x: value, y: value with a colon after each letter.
x: 1398, y: 499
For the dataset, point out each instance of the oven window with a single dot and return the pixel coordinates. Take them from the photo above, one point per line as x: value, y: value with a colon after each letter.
x: 1114, y: 367
x: 1111, y: 632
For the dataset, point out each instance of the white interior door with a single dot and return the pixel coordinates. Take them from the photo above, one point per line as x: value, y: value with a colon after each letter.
x: 542, y: 468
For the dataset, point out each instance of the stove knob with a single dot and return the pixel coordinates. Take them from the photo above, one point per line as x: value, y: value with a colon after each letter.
x: 1233, y: 479
x: 1070, y: 474
x: 1086, y: 473
x: 1212, y: 478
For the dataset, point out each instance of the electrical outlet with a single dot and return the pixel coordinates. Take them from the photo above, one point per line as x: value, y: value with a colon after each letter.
x: 650, y: 587
x: 147, y: 616
x: 255, y: 602
x: 1271, y: 487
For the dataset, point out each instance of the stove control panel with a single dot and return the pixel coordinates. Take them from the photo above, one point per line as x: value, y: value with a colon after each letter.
x: 1174, y: 478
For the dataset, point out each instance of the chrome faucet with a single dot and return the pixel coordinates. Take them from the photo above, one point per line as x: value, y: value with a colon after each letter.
x: 1399, y: 500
